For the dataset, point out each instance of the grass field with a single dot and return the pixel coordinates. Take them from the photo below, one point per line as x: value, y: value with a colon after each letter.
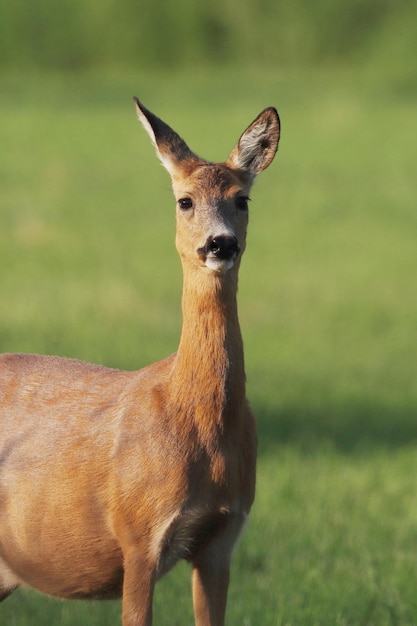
x: 328, y: 308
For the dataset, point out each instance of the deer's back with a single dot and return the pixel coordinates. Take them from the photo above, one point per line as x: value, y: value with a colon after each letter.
x: 55, y: 410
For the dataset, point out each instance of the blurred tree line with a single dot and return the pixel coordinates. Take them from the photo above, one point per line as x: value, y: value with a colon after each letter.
x: 81, y: 34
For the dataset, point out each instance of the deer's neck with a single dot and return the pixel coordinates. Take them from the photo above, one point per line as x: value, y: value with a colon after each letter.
x: 208, y: 374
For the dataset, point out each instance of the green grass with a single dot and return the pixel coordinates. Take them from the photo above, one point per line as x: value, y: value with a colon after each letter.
x: 328, y: 308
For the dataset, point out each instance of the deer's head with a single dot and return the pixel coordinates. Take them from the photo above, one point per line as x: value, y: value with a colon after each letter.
x: 212, y: 198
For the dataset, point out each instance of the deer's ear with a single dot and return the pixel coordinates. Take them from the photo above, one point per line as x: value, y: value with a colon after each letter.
x: 257, y: 146
x: 170, y: 148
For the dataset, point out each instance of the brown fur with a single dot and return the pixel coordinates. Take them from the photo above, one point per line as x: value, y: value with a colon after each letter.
x: 108, y: 477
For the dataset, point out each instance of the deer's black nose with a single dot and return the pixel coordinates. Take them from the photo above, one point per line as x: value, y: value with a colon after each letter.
x: 223, y: 247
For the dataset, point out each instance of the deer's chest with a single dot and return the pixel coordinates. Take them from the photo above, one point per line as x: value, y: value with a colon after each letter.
x: 197, y: 531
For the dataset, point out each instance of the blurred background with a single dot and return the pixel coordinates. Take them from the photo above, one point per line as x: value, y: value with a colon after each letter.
x: 84, y: 34
x: 328, y: 296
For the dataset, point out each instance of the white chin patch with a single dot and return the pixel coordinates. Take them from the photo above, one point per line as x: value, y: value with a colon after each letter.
x: 219, y: 265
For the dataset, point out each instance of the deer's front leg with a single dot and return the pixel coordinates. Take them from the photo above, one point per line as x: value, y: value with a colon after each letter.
x: 210, y: 585
x: 138, y: 588
x: 211, y: 574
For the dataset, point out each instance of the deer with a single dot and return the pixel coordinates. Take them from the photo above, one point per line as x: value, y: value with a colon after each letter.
x: 108, y: 477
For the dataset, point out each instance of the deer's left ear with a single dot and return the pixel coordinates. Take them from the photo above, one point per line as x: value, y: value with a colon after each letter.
x: 170, y: 148
x: 257, y: 146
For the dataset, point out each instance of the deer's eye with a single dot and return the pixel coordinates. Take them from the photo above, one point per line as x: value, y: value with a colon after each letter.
x: 242, y: 203
x: 185, y: 204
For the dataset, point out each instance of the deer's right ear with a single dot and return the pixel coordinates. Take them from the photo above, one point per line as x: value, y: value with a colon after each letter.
x: 170, y: 148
